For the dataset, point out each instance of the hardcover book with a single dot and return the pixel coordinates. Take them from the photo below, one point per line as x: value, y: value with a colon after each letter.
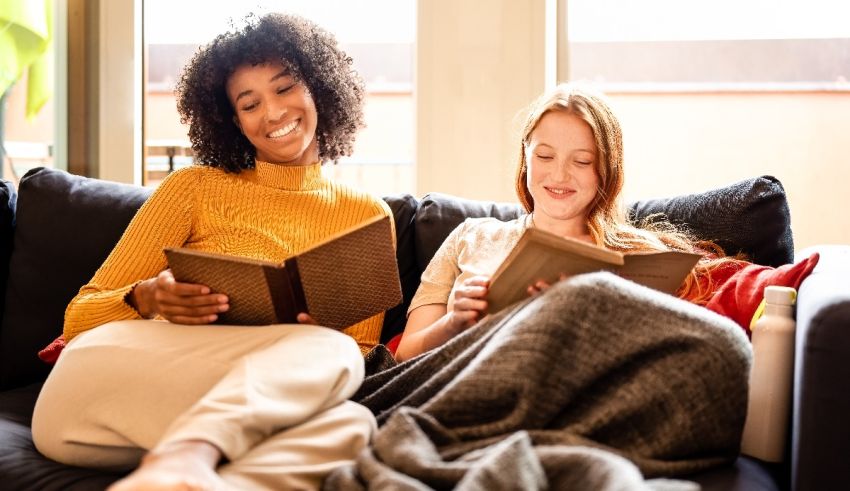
x: 541, y: 255
x: 343, y: 280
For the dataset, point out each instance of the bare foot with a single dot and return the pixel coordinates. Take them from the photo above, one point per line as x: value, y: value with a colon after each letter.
x: 186, y: 466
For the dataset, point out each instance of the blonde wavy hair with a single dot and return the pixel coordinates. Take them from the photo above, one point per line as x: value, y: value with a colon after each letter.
x: 606, y: 217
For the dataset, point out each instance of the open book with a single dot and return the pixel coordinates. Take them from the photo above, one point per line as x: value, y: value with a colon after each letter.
x: 541, y: 255
x: 345, y: 279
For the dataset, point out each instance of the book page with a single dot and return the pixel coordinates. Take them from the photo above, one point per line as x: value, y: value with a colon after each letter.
x: 543, y: 256
x: 663, y: 271
x: 351, y: 277
x: 243, y: 280
x: 343, y: 280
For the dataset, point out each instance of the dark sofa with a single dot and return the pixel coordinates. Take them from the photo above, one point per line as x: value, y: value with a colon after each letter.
x: 58, y: 228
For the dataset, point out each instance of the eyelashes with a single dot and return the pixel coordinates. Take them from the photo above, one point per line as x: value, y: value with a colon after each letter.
x: 280, y: 91
x: 547, y: 158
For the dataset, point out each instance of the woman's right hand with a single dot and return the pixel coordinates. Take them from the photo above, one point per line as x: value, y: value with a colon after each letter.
x: 469, y: 303
x: 431, y: 325
x: 180, y: 303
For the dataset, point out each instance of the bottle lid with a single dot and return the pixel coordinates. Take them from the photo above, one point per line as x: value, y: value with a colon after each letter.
x: 780, y: 295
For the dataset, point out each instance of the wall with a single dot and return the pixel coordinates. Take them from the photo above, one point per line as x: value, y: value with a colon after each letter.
x: 120, y: 91
x: 681, y: 143
x: 478, y: 63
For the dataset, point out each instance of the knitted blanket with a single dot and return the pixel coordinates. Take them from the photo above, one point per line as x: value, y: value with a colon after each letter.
x: 595, y: 384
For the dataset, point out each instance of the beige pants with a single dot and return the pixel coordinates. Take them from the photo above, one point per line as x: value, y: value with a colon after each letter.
x: 272, y: 398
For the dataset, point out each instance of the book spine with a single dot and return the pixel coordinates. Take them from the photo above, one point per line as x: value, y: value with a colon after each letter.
x: 280, y: 291
x: 299, y: 299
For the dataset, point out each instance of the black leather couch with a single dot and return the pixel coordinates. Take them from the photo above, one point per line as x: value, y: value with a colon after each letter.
x: 58, y: 229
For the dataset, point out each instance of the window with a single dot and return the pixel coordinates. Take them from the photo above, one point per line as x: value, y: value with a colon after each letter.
x: 26, y: 142
x: 722, y: 45
x: 27, y: 89
x: 709, y: 93
x: 382, y: 47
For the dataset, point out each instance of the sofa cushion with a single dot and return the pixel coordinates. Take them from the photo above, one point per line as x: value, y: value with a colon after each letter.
x: 749, y: 216
x: 66, y: 225
x: 8, y: 198
x: 21, y: 466
x: 439, y: 214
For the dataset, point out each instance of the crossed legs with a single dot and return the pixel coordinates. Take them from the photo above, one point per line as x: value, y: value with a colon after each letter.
x: 272, y: 401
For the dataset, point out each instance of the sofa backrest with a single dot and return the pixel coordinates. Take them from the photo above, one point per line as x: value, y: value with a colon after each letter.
x: 749, y: 216
x: 66, y: 225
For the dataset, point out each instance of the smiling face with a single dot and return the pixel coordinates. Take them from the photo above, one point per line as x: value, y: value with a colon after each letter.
x: 275, y: 113
x: 561, y: 155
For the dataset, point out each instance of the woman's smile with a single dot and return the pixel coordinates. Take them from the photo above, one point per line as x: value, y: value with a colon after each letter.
x: 289, y: 128
x: 559, y: 192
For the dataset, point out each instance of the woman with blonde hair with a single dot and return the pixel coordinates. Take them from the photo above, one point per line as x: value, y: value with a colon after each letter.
x: 593, y: 382
x: 569, y: 180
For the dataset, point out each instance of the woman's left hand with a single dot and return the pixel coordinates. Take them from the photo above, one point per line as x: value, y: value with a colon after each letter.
x: 541, y: 285
x: 305, y: 318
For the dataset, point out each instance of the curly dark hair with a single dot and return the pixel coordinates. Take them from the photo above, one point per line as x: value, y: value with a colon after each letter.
x: 313, y: 57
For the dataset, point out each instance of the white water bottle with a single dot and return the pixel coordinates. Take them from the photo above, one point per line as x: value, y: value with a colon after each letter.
x: 769, y: 407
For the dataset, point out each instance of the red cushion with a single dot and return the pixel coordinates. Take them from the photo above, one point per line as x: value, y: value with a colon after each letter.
x: 392, y: 344
x: 51, y: 352
x: 741, y: 294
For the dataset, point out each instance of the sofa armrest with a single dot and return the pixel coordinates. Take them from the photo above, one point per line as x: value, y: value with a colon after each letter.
x: 820, y: 427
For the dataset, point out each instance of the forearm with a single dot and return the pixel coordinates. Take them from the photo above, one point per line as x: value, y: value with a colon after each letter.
x: 110, y: 296
x: 426, y: 339
x: 95, y: 306
x: 140, y: 298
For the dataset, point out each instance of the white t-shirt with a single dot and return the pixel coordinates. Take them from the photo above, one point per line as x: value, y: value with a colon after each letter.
x: 476, y: 247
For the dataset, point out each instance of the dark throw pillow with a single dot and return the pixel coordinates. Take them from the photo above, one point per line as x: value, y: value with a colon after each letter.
x: 439, y: 214
x: 8, y: 198
x: 66, y: 225
x: 750, y: 216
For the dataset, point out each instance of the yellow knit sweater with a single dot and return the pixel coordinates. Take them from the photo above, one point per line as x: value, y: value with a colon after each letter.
x: 270, y: 213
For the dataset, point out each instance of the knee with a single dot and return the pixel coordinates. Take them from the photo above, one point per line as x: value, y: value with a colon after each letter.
x: 322, y: 359
x: 338, y: 353
x: 348, y: 361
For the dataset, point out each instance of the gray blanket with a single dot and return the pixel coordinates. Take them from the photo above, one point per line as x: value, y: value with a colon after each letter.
x: 595, y: 384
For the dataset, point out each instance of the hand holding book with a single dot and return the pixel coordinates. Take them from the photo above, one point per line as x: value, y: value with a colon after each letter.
x: 470, y: 303
x: 181, y: 303
x: 339, y: 282
x: 542, y: 256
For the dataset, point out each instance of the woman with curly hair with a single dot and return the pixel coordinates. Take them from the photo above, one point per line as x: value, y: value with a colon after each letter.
x: 202, y: 407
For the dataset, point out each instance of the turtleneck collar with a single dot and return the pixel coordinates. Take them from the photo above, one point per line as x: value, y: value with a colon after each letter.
x: 287, y: 177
